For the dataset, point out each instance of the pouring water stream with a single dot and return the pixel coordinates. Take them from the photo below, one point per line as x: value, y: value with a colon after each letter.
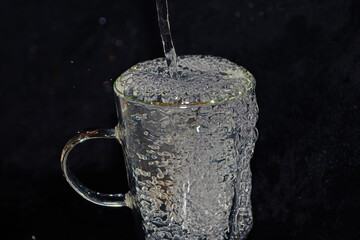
x: 168, y: 45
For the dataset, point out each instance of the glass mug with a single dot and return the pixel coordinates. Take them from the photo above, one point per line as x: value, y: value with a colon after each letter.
x: 187, y: 151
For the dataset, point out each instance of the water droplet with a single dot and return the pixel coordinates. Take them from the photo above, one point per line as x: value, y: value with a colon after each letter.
x: 198, y: 129
x: 71, y: 61
x: 102, y: 21
x: 160, y: 174
x: 141, y: 156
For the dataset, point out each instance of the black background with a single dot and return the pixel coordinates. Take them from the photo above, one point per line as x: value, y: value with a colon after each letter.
x: 58, y: 64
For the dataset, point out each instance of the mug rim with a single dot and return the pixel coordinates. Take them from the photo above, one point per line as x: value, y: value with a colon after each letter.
x: 236, y: 94
x: 121, y: 94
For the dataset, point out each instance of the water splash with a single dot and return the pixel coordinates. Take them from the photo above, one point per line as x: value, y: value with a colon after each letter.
x: 168, y: 45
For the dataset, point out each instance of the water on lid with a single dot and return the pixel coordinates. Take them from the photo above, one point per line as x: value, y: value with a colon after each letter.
x: 200, y: 79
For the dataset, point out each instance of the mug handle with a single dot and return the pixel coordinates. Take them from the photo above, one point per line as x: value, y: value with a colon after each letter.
x: 103, y: 199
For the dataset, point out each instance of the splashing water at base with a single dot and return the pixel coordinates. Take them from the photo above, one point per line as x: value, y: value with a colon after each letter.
x: 193, y: 138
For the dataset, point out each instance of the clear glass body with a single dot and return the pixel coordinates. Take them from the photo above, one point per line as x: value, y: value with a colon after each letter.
x: 189, y: 166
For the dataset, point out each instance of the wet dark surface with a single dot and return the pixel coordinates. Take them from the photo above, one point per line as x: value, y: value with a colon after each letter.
x: 58, y: 60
